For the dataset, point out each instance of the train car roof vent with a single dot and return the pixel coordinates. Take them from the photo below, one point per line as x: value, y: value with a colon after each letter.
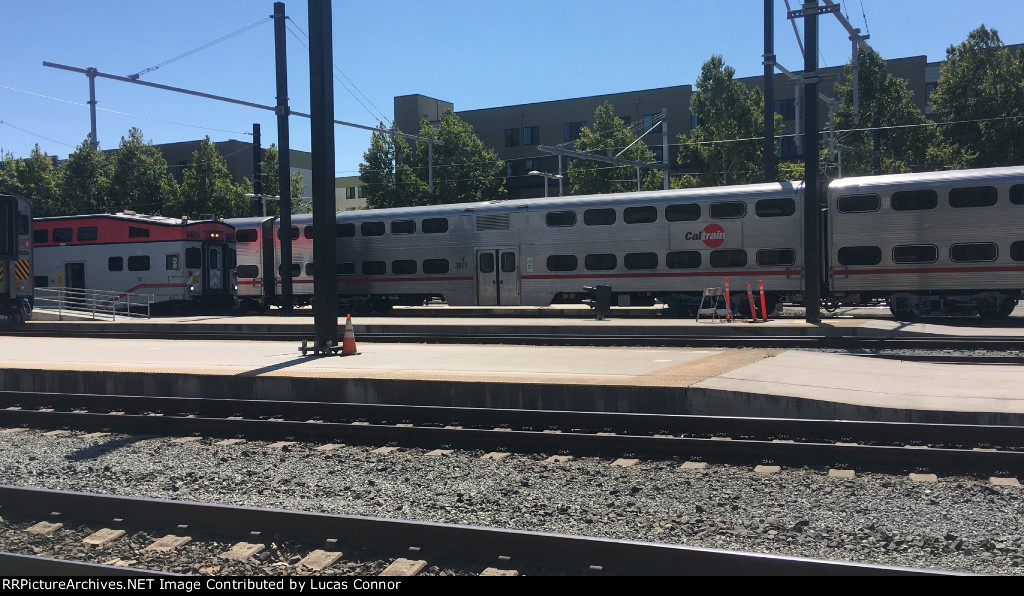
x: 497, y: 221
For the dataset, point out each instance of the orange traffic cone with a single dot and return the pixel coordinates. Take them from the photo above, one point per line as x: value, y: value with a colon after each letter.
x: 348, y: 344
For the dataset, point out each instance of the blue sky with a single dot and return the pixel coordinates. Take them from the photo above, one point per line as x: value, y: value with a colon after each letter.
x: 474, y: 54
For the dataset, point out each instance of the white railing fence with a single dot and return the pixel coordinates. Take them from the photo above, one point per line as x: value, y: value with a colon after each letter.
x: 95, y: 303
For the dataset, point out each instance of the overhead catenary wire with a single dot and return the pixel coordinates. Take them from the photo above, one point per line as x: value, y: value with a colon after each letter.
x: 201, y: 48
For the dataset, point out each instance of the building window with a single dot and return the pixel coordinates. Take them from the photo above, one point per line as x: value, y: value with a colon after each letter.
x: 694, y: 120
x: 511, y: 137
x: 650, y: 120
x: 350, y: 192
x: 786, y: 108
x: 572, y: 129
x: 531, y: 135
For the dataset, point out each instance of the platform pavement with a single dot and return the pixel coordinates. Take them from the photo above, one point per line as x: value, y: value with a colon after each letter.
x: 752, y: 382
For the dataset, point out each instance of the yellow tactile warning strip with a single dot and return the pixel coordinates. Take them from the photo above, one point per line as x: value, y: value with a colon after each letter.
x: 695, y: 371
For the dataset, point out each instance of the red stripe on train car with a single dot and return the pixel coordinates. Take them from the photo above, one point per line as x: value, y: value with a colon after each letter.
x: 930, y: 270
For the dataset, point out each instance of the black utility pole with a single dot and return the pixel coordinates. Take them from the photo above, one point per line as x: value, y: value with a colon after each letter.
x: 257, y: 170
x: 321, y: 97
x: 284, y: 158
x: 812, y: 211
x: 876, y: 145
x: 94, y: 141
x: 769, y: 92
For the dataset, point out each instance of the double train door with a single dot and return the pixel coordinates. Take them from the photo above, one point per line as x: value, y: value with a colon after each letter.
x: 497, y: 277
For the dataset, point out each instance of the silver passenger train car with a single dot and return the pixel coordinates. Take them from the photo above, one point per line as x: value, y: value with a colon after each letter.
x: 932, y: 244
x: 16, y: 259
x: 667, y: 245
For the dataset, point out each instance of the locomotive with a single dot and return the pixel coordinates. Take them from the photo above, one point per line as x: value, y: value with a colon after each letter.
x: 16, y: 281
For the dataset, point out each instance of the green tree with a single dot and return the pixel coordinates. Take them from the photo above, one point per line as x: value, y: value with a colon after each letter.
x: 207, y: 188
x: 272, y: 184
x: 37, y: 179
x: 465, y: 170
x: 726, y: 147
x: 610, y: 137
x: 388, y: 179
x: 10, y: 176
x: 140, y: 181
x: 85, y: 180
x: 981, y: 89
x: 907, y: 139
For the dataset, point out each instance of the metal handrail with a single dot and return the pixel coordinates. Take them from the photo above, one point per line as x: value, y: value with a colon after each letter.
x: 96, y: 303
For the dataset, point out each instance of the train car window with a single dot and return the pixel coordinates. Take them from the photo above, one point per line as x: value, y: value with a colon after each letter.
x: 859, y: 203
x: 730, y: 210
x: 375, y: 268
x: 639, y: 215
x: 230, y: 258
x: 775, y: 207
x: 115, y: 264
x: 295, y: 233
x: 404, y: 267
x: 508, y: 262
x: 562, y: 263
x: 860, y: 255
x: 772, y: 257
x: 1017, y: 251
x: 246, y: 236
x: 915, y: 253
x: 138, y: 263
x: 641, y: 260
x: 41, y: 281
x: 404, y: 226
x: 436, y: 225
x: 137, y: 232
x: 307, y: 232
x: 973, y: 252
x: 975, y: 196
x: 214, y: 263
x: 23, y: 224
x: 600, y: 262
x: 88, y: 233
x: 599, y: 217
x: 296, y: 270
x: 247, y: 272
x: 683, y: 259
x: 486, y: 262
x: 371, y: 228
x: 346, y: 230
x: 683, y: 212
x: 561, y: 219
x: 721, y: 259
x: 914, y: 200
x: 171, y: 262
x: 1017, y: 194
x: 62, y: 234
x: 193, y: 258
x: 41, y: 236
x: 346, y: 268
x: 435, y: 266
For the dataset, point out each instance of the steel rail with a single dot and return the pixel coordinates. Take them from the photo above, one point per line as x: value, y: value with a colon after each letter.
x: 972, y: 461
x: 902, y: 433
x: 574, y: 554
x: 18, y: 565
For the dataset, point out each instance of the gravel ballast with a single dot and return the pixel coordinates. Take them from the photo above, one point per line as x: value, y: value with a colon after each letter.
x: 957, y: 524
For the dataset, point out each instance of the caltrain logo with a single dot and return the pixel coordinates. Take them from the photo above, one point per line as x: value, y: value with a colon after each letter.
x: 713, y: 235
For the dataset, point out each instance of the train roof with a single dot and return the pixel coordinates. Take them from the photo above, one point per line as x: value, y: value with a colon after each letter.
x: 130, y: 216
x: 948, y: 178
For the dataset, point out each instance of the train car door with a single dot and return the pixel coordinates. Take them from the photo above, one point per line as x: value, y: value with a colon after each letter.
x: 216, y: 270
x: 497, y: 277
x: 74, y: 275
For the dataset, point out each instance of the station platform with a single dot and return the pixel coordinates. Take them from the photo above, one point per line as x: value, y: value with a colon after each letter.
x: 736, y: 382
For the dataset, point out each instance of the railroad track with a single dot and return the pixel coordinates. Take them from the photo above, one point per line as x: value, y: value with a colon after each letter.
x: 878, y: 446
x: 468, y: 550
